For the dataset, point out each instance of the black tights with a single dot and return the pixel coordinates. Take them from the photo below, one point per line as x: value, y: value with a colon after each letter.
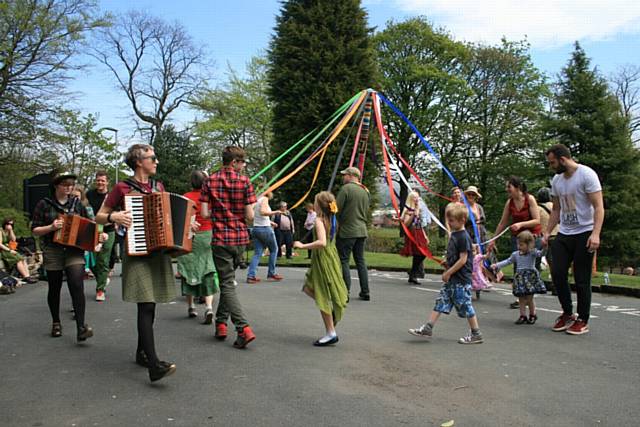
x: 75, y: 282
x: 146, y: 343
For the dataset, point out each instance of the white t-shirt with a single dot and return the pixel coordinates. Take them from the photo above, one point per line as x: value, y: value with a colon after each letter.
x: 576, y: 211
x: 260, y: 220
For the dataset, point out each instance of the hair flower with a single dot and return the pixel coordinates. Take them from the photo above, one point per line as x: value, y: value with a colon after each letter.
x: 333, y: 207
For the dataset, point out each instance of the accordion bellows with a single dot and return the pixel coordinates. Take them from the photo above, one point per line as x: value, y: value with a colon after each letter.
x: 77, y: 231
x: 161, y: 221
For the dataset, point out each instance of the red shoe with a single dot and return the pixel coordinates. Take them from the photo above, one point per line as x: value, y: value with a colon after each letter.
x: 563, y: 322
x: 275, y: 278
x: 221, y: 331
x: 244, y: 337
x: 578, y: 328
x: 253, y: 280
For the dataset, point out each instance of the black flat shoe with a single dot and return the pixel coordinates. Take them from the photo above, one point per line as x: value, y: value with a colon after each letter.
x: 161, y: 370
x: 84, y: 333
x: 332, y: 341
x: 56, y: 330
x: 532, y: 319
x: 521, y: 320
x: 365, y: 297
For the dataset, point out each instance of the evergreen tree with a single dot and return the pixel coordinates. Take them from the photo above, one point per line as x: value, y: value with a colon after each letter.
x: 178, y: 155
x: 320, y: 56
x: 588, y: 119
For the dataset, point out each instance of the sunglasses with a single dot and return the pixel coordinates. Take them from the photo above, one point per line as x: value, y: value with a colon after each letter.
x: 153, y: 158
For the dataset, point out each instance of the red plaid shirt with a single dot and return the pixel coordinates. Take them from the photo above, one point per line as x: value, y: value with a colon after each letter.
x: 227, y: 192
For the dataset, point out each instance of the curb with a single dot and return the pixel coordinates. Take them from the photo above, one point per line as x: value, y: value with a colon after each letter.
x: 604, y: 289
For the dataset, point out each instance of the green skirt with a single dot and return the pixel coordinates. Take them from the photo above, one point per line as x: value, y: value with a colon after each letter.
x: 324, y: 278
x: 10, y: 260
x: 148, y: 278
x: 198, y: 272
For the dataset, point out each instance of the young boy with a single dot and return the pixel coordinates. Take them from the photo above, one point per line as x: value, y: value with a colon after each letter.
x: 456, y: 290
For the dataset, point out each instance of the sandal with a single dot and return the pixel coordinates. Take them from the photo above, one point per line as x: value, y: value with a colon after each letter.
x: 56, y: 330
x: 532, y: 319
x: 521, y: 320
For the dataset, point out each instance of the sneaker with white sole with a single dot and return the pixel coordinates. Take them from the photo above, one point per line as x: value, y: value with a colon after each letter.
x: 578, y: 327
x: 424, y: 331
x: 471, y: 339
x: 563, y: 322
x: 100, y: 296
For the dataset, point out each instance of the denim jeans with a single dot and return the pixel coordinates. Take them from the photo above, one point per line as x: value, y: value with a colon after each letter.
x: 263, y: 237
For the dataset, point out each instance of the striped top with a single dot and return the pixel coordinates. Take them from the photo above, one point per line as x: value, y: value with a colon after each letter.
x: 523, y: 261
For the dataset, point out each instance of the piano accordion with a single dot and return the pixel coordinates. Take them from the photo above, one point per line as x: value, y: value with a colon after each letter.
x: 161, y: 221
x: 77, y: 231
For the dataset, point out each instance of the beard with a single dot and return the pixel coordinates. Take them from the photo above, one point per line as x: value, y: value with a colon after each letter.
x: 561, y: 168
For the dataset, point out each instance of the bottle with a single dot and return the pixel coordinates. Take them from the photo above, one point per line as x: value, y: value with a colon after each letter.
x: 606, y: 279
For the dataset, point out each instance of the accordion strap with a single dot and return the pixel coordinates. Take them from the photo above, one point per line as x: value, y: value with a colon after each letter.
x: 133, y: 184
x: 73, y: 201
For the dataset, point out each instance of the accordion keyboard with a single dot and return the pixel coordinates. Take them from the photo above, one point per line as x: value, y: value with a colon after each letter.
x: 136, y: 240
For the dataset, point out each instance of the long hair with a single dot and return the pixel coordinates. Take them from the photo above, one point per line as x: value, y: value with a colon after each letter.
x: 326, y: 201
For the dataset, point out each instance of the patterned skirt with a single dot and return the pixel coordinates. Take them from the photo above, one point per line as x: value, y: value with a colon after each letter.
x: 528, y: 282
x: 148, y: 278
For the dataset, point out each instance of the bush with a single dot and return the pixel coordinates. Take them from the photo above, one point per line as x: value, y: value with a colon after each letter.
x: 21, y: 221
x: 388, y: 240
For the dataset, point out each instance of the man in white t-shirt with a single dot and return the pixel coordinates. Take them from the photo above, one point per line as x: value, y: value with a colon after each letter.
x: 578, y: 208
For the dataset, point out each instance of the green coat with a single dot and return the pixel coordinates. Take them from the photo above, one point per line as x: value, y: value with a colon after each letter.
x: 353, y: 210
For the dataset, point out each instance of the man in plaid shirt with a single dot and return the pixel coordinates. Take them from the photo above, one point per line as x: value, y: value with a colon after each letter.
x: 228, y: 199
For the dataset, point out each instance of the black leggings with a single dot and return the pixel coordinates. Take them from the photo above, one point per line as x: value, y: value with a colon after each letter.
x: 146, y: 343
x: 75, y: 282
x: 568, y: 249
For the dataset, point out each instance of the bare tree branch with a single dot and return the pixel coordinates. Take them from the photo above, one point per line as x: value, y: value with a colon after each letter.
x: 156, y: 64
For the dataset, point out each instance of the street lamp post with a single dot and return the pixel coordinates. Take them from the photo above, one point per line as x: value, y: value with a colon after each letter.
x: 115, y: 131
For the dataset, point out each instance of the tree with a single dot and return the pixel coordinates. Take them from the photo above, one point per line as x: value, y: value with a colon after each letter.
x: 156, y: 64
x: 479, y: 106
x: 626, y: 86
x: 78, y: 145
x: 38, y: 41
x: 589, y: 120
x: 178, y: 156
x: 321, y: 55
x: 500, y: 120
x: 239, y: 113
x: 420, y: 69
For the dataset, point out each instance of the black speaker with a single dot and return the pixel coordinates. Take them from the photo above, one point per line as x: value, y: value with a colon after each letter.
x: 34, y: 189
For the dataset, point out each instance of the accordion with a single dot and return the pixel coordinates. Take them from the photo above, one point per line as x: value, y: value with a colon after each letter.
x: 161, y: 221
x: 77, y: 231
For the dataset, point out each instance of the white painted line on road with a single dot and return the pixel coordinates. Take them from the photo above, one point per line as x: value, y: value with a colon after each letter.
x: 426, y: 289
x: 632, y: 313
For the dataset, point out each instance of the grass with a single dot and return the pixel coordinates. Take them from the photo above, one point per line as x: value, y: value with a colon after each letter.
x: 383, y: 261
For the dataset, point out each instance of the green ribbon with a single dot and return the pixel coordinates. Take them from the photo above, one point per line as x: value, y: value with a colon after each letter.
x: 332, y: 119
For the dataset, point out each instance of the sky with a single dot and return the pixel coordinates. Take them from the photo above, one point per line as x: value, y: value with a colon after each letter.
x: 234, y: 31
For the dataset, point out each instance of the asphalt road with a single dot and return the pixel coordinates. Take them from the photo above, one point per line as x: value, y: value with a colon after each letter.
x: 377, y: 375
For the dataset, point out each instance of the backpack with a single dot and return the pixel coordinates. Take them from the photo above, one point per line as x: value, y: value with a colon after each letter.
x: 7, y: 280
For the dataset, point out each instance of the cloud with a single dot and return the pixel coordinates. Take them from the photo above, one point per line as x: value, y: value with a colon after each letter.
x: 545, y: 23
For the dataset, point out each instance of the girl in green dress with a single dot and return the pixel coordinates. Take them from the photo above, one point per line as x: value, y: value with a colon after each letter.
x: 323, y: 281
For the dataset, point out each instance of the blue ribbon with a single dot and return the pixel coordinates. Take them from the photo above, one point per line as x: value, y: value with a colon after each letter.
x: 333, y: 226
x: 428, y: 146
